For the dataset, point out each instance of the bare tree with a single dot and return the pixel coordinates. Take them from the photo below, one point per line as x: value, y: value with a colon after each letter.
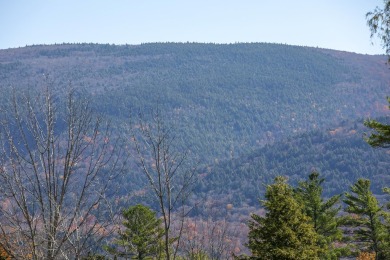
x: 214, y: 237
x: 57, y: 162
x: 209, y: 239
x: 170, y: 176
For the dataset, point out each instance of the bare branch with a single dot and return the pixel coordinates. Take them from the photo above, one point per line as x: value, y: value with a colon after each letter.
x: 57, y: 162
x: 166, y: 170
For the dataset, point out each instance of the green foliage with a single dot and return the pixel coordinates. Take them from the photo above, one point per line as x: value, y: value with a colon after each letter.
x: 226, y: 98
x: 285, y: 232
x: 386, y: 216
x: 92, y: 257
x: 142, y: 236
x: 341, y: 158
x: 381, y: 136
x: 323, y: 214
x: 368, y: 231
x: 227, y: 101
x: 198, y: 256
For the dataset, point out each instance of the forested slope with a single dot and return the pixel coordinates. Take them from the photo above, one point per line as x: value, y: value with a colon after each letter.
x: 225, y: 100
x: 339, y: 154
x: 248, y: 112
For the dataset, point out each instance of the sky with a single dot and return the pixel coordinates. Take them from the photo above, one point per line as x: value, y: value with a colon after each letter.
x: 331, y: 24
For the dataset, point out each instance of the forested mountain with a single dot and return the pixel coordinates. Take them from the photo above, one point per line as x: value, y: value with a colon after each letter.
x: 224, y: 99
x: 243, y: 113
x: 247, y: 111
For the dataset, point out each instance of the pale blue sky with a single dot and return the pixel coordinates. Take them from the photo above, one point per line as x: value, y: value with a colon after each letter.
x: 333, y: 24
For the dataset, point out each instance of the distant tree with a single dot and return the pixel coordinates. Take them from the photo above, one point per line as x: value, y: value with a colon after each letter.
x: 285, y: 232
x: 142, y: 235
x: 369, y: 232
x: 56, y: 164
x: 323, y: 214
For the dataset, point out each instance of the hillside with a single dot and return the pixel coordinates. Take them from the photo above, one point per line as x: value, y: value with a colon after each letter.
x: 247, y: 113
x: 225, y: 100
x: 340, y: 155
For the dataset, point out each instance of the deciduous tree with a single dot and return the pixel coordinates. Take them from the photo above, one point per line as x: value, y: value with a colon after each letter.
x: 170, y: 174
x: 57, y: 161
x: 378, y: 21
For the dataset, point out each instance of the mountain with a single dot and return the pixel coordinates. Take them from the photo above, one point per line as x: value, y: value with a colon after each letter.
x: 247, y: 111
x: 225, y: 100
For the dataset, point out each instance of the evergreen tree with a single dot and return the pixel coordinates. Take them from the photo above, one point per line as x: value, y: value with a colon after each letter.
x: 381, y: 136
x: 368, y: 231
x: 323, y: 214
x: 142, y: 238
x: 386, y: 215
x: 285, y: 232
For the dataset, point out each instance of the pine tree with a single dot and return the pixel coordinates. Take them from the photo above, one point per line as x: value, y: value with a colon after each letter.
x: 142, y: 236
x: 379, y: 23
x: 323, y: 214
x: 368, y: 231
x: 386, y: 215
x: 381, y: 135
x: 285, y: 232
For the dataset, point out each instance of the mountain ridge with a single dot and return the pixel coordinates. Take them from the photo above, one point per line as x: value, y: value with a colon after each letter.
x: 226, y: 85
x: 225, y: 100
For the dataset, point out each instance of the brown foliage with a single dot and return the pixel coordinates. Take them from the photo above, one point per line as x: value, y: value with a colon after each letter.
x: 366, y: 256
